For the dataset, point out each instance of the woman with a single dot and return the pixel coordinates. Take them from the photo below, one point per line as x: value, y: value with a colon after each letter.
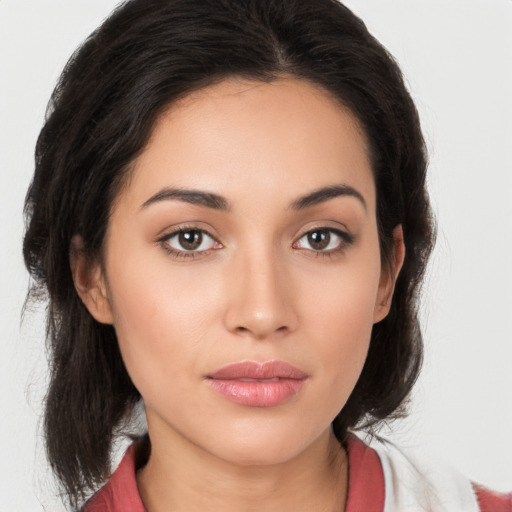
x: 230, y: 218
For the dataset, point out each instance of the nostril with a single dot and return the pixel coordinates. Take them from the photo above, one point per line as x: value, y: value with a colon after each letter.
x: 256, y: 332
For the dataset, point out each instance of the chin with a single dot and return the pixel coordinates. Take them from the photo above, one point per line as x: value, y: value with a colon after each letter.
x: 263, y: 446
x: 257, y: 456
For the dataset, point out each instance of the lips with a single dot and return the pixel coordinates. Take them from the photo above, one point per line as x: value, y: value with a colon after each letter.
x: 257, y: 384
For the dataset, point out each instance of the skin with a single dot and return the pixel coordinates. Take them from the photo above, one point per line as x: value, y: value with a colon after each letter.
x: 257, y: 290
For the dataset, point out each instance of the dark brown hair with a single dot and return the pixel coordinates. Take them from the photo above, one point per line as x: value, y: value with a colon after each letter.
x: 145, y: 56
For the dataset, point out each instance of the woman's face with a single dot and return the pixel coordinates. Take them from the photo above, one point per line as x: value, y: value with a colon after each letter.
x: 242, y: 270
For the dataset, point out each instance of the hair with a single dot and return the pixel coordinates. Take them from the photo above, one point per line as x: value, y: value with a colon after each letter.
x: 145, y: 56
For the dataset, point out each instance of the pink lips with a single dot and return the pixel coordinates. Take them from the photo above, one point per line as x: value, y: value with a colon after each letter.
x: 257, y: 384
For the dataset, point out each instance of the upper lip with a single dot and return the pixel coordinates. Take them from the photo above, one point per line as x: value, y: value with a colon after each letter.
x: 258, y: 371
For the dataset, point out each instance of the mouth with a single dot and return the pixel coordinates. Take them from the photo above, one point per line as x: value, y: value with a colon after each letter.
x: 257, y: 384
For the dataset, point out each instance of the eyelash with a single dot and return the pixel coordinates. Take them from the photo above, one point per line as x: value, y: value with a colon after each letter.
x: 182, y: 255
x: 346, y: 240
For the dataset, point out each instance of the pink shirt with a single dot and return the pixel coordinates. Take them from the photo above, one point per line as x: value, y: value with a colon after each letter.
x: 366, y: 490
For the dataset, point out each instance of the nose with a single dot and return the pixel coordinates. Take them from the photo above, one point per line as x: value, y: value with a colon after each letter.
x: 260, y: 294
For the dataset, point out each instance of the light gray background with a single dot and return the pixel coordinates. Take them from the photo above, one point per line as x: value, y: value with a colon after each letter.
x: 457, y: 57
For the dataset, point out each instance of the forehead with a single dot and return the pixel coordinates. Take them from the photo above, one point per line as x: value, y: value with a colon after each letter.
x: 239, y: 135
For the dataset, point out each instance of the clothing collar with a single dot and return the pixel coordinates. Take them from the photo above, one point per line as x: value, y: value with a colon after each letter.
x: 365, y: 490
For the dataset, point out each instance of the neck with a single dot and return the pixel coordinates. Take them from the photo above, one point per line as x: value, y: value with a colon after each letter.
x: 316, y: 480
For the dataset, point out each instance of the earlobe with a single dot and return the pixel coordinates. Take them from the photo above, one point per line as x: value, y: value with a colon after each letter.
x: 90, y: 282
x: 389, y: 276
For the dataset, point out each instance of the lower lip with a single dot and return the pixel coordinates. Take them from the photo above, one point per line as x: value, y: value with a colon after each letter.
x: 257, y: 393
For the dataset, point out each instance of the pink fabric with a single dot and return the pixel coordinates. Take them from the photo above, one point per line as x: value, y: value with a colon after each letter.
x: 120, y: 493
x: 490, y: 501
x: 366, y: 491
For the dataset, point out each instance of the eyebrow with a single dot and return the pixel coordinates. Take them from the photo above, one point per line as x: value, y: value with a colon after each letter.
x: 324, y: 194
x: 198, y: 197
x: 217, y: 202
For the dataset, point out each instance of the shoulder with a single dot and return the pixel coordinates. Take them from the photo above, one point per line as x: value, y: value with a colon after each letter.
x: 415, y: 483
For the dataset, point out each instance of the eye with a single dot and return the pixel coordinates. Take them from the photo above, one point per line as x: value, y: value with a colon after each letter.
x: 324, y: 240
x: 189, y: 241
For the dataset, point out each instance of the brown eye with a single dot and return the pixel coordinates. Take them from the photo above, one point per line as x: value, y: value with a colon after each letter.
x: 190, y: 240
x: 324, y: 240
x: 319, y: 240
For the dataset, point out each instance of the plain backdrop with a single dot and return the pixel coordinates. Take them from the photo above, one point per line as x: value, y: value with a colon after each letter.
x: 457, y: 57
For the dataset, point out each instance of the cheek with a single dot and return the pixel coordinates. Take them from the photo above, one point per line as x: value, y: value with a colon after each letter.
x: 341, y: 300
x: 341, y: 322
x: 160, y: 318
x: 343, y: 333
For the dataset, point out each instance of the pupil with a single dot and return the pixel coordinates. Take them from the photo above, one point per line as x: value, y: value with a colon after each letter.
x: 319, y: 239
x: 190, y: 240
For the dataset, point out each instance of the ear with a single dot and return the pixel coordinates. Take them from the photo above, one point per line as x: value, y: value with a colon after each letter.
x: 389, y: 275
x: 90, y: 282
